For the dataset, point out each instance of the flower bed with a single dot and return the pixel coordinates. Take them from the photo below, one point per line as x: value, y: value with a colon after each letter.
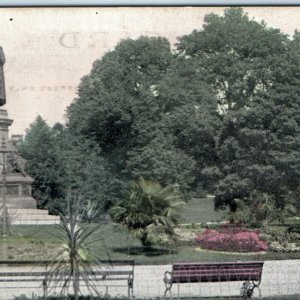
x: 288, y: 247
x: 243, y: 241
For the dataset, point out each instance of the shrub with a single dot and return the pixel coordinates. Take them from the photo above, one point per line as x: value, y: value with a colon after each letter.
x: 243, y: 241
x: 287, y: 247
x: 294, y: 237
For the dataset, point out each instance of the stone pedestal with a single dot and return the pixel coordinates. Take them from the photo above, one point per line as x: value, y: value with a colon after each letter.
x: 22, y: 207
x: 5, y: 122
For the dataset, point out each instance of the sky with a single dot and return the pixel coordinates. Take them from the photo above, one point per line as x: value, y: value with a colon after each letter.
x: 48, y: 50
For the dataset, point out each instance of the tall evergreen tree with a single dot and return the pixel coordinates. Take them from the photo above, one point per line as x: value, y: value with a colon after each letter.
x: 38, y: 148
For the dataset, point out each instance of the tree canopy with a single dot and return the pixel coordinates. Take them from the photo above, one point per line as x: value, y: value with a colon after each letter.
x: 131, y: 112
x: 254, y: 71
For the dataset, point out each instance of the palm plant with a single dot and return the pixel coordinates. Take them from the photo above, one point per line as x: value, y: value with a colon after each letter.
x: 256, y: 210
x: 148, y: 203
x: 265, y: 207
x: 70, y: 263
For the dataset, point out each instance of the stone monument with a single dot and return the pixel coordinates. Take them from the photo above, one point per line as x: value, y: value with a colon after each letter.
x: 15, y: 183
x: 2, y: 82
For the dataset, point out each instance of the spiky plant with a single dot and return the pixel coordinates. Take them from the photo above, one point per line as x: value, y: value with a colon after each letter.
x: 70, y: 264
x: 256, y: 210
x: 148, y: 203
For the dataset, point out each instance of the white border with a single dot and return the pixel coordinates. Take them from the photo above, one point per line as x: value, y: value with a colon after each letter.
x: 148, y: 2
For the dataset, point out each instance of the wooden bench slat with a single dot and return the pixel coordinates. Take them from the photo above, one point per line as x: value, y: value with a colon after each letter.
x: 21, y: 280
x: 24, y: 274
x: 215, y: 278
x: 197, y: 273
x: 56, y: 279
x: 217, y: 274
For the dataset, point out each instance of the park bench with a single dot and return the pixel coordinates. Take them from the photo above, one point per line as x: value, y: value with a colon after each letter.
x: 250, y: 272
x: 108, y: 274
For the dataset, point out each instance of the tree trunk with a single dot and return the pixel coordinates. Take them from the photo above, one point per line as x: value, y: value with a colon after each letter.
x: 75, y: 278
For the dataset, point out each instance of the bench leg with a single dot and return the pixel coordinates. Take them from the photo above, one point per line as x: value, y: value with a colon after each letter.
x: 168, y: 283
x: 258, y: 286
x: 248, y: 289
x: 130, y: 287
x: 130, y: 292
x: 45, y: 292
x: 168, y: 289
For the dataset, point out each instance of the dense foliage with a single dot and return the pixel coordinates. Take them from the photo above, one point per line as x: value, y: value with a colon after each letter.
x: 219, y: 113
x: 39, y: 149
x: 254, y: 70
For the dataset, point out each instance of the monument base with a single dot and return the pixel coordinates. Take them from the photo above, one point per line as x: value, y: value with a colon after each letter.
x: 21, y: 206
x: 27, y: 216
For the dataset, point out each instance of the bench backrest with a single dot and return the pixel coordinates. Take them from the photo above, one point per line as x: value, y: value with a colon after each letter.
x: 107, y: 270
x: 40, y: 276
x: 212, y: 272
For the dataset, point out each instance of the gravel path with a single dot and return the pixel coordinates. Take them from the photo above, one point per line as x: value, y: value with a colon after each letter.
x: 279, y: 278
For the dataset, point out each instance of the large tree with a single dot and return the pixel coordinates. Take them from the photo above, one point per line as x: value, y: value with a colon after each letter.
x: 115, y: 102
x: 254, y: 72
x: 117, y: 96
x: 133, y: 104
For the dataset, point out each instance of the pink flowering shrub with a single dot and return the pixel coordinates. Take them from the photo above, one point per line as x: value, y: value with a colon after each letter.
x: 242, y: 241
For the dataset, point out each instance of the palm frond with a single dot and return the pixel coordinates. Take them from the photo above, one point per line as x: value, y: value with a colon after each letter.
x: 148, y: 203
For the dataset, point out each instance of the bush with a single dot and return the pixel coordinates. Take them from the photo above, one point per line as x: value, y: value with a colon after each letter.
x: 243, y: 241
x: 284, y: 248
x: 294, y: 237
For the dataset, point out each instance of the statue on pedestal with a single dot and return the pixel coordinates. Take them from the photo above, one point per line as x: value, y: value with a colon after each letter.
x: 2, y: 83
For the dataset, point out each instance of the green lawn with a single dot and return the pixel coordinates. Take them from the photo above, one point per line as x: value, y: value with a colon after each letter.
x: 201, y: 210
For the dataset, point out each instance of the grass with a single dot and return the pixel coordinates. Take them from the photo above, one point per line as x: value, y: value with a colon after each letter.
x: 201, y: 210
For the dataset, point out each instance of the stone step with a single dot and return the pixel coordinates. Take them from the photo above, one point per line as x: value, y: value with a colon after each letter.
x: 27, y: 211
x: 35, y: 217
x: 36, y: 222
x: 32, y: 216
